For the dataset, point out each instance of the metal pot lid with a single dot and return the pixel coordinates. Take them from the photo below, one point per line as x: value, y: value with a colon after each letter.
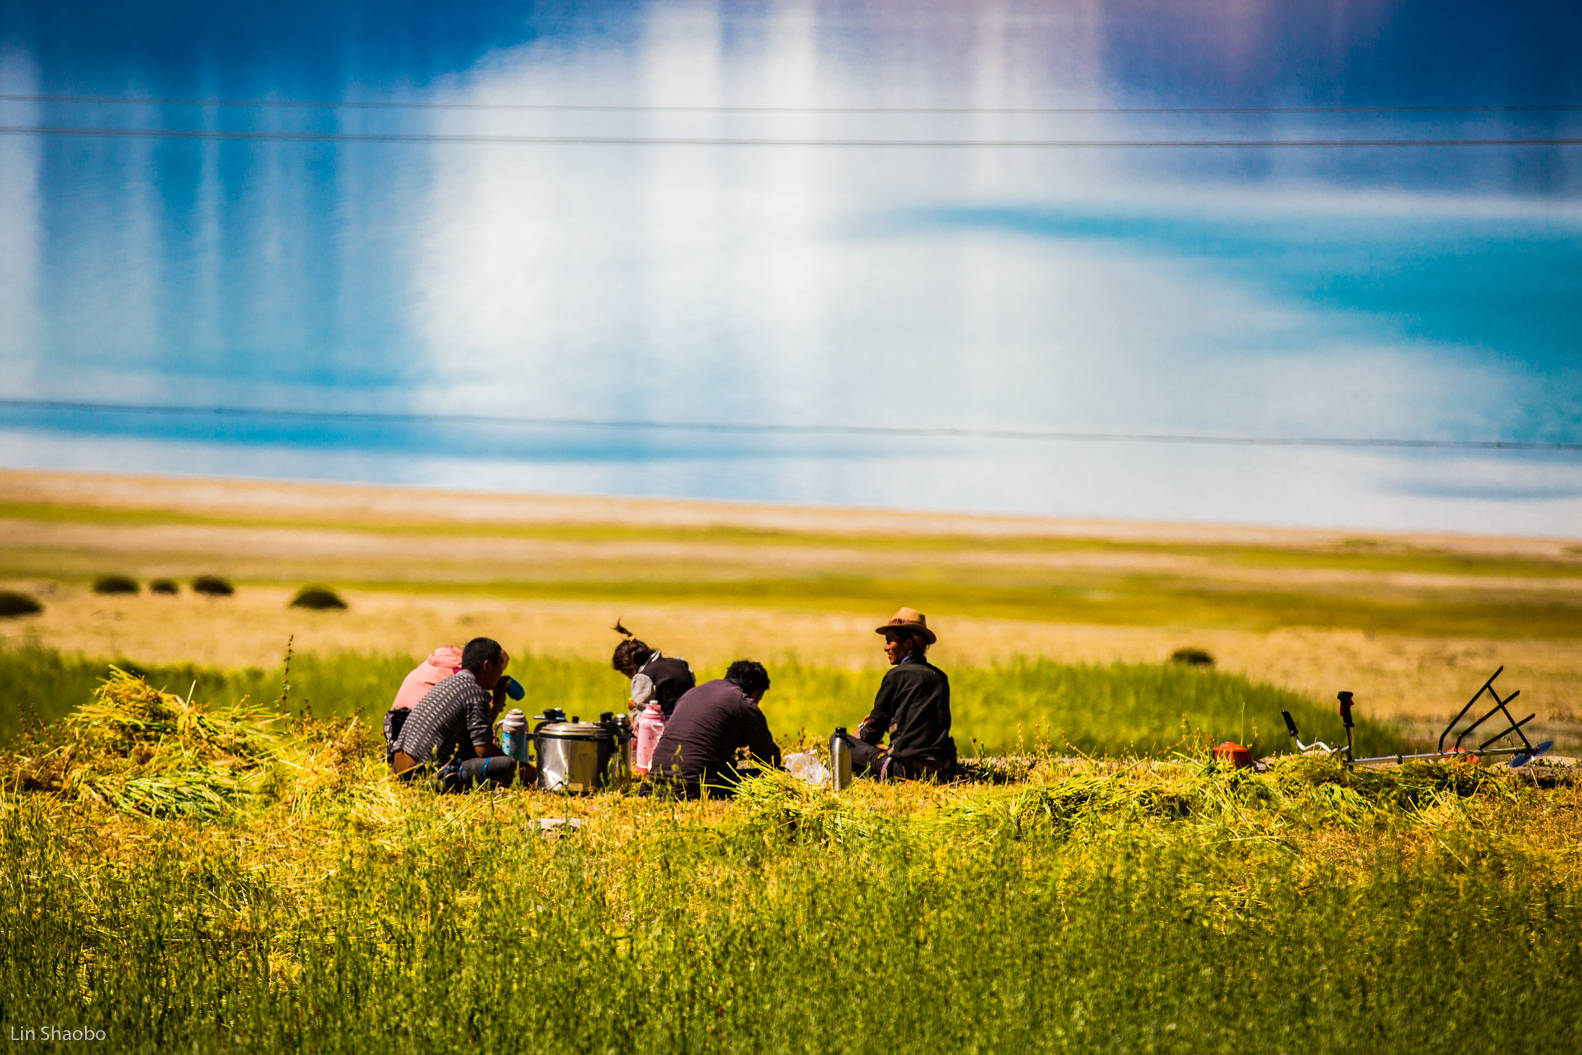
x: 573, y: 731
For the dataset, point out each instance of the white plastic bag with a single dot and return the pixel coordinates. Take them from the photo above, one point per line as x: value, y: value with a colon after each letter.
x: 805, y: 766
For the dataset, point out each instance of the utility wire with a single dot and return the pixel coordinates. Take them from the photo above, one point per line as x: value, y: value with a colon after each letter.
x: 943, y: 432
x: 727, y: 141
x: 300, y: 104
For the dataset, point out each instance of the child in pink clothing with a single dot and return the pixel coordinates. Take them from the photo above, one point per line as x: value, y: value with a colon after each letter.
x: 440, y: 664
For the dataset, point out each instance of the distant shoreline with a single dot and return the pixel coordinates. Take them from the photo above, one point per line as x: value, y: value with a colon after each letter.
x: 421, y: 504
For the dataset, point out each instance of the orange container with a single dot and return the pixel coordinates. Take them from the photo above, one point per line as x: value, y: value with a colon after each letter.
x: 1237, y: 755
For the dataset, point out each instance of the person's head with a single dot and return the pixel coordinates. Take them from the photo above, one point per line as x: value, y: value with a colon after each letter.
x: 486, y: 659
x: 901, y: 644
x: 906, y: 635
x: 630, y: 654
x: 749, y: 676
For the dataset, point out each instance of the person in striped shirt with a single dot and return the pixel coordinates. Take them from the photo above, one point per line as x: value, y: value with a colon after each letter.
x: 450, y: 730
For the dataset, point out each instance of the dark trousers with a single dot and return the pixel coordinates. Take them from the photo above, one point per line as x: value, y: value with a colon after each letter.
x: 463, y: 775
x: 867, y: 760
x: 498, y: 769
x: 715, y: 785
x: 874, y: 762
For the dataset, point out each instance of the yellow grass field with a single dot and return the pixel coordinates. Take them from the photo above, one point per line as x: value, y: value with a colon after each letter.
x: 1411, y: 624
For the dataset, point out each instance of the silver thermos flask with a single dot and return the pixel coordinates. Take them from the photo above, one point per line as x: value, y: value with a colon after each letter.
x: 624, y: 739
x: 839, y: 760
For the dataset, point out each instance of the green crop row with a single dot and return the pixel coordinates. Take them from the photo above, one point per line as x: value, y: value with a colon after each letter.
x: 1102, y: 710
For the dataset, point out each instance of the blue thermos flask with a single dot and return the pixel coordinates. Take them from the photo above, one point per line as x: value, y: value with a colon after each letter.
x: 513, y: 736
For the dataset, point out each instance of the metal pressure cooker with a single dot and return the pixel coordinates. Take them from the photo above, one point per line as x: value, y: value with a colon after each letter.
x: 579, y: 757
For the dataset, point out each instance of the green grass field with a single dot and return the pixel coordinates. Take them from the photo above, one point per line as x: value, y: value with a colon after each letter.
x: 1111, y: 710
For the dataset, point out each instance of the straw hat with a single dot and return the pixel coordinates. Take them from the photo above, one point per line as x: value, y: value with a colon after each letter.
x: 909, y: 619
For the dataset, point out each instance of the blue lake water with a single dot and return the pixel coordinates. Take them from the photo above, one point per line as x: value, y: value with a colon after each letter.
x: 486, y: 304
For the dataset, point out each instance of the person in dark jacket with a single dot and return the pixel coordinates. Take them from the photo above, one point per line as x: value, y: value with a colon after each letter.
x: 912, y: 708
x: 696, y: 755
x: 655, y: 678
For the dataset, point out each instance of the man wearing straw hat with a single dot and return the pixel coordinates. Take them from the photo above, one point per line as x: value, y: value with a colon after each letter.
x: 912, y: 708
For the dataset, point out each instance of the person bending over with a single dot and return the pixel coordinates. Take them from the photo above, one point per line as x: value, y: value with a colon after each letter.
x: 696, y: 755
x: 450, y: 730
x: 657, y: 682
x: 655, y: 677
x: 440, y: 664
x: 912, y: 707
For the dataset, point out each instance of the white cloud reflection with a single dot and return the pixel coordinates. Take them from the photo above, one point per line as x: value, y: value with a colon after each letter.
x: 1486, y: 494
x: 711, y: 284
x: 21, y: 250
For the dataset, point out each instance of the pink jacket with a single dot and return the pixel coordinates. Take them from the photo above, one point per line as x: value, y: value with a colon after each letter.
x: 440, y: 664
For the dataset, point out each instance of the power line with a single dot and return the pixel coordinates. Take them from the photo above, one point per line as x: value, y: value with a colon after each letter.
x: 898, y: 431
x: 727, y: 141
x: 302, y: 104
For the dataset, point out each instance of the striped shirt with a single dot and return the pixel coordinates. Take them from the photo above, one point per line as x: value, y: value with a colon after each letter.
x: 448, y: 720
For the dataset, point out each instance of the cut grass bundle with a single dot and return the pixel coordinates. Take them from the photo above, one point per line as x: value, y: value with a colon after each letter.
x: 14, y: 603
x: 164, y: 586
x: 318, y: 598
x: 126, y: 712
x: 141, y: 750
x: 115, y: 584
x: 777, y: 805
x: 205, y: 793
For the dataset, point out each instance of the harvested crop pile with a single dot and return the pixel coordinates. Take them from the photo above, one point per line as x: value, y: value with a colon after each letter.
x: 141, y: 750
x: 146, y: 752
